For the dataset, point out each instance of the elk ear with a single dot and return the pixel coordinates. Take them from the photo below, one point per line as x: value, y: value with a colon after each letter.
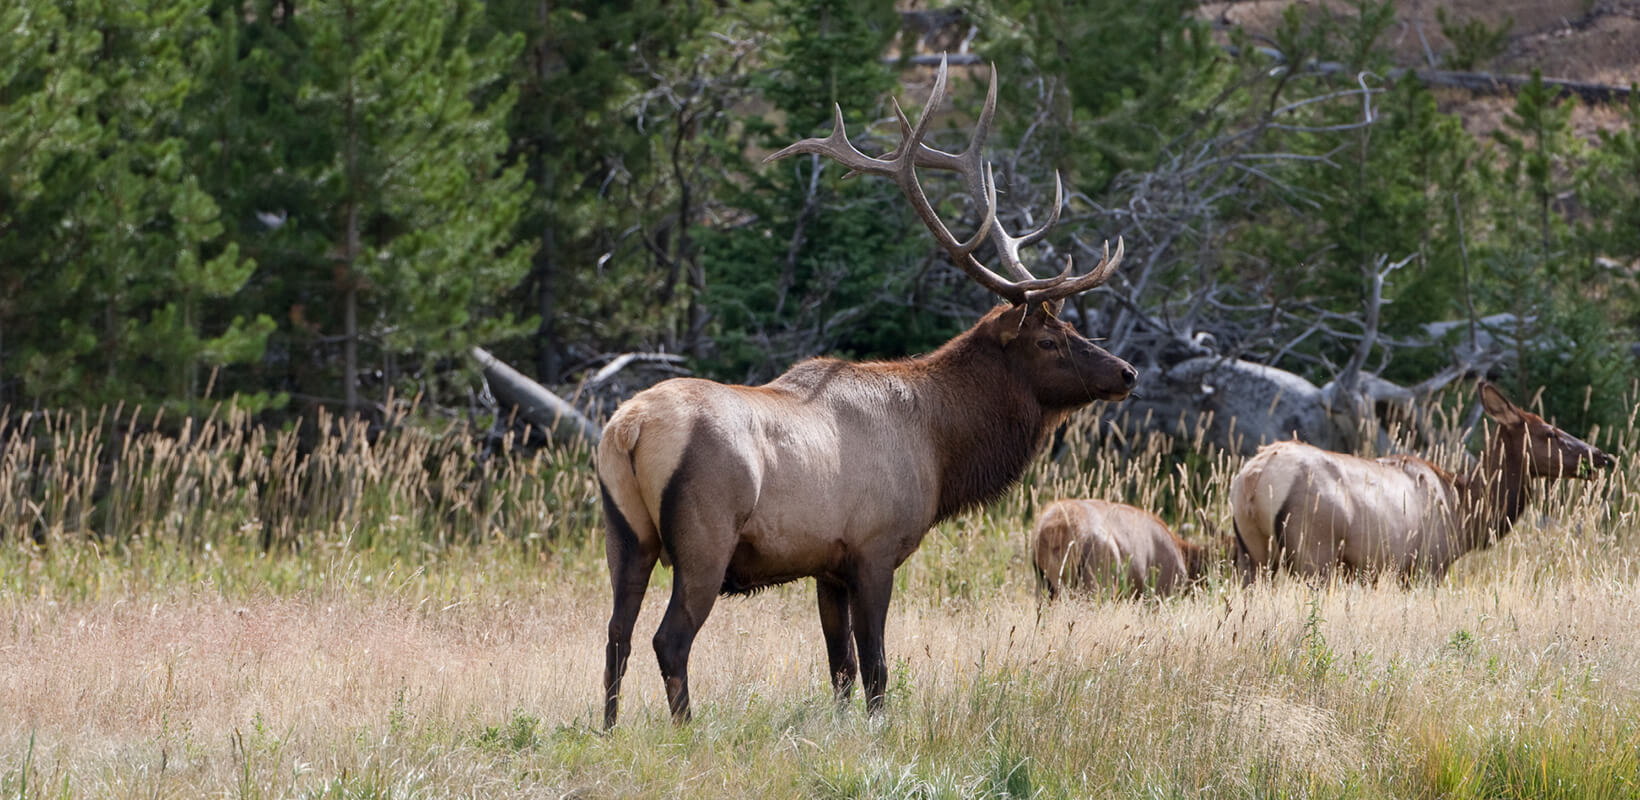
x: 1011, y: 323
x: 1498, y: 407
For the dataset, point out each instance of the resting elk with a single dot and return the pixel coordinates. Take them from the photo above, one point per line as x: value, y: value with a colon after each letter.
x: 837, y: 470
x: 1095, y: 544
x: 1318, y: 511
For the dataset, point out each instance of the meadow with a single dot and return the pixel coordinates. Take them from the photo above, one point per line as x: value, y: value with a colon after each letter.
x: 419, y: 612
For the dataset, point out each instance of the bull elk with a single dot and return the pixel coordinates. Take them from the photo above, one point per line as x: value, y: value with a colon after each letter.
x: 1095, y: 544
x: 1317, y: 511
x: 837, y: 470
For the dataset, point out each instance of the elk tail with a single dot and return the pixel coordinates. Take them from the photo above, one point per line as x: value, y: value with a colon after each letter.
x: 628, y: 520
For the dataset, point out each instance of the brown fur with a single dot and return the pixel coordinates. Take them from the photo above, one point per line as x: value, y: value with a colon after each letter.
x: 834, y: 471
x: 1098, y: 546
x: 1316, y: 511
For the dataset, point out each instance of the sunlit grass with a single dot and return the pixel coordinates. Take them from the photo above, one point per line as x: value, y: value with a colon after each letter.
x: 343, y: 614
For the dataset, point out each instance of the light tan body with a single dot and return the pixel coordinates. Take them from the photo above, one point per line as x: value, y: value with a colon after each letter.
x: 807, y: 486
x: 1316, y: 511
x: 1102, y: 547
x: 1328, y: 510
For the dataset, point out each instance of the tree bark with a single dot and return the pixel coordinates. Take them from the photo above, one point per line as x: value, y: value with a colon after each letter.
x: 350, y: 318
x: 350, y: 246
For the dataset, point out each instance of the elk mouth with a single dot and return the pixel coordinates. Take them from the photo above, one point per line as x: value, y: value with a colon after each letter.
x: 1113, y: 396
x: 1587, y: 465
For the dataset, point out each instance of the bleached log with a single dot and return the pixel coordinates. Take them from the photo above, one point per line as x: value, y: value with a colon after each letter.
x: 535, y: 403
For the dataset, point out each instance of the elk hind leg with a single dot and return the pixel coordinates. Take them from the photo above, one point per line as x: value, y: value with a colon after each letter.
x: 700, y: 539
x: 834, y: 625
x: 630, y: 564
x: 694, y: 591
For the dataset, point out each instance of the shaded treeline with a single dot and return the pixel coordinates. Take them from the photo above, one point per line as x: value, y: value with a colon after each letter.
x: 322, y: 204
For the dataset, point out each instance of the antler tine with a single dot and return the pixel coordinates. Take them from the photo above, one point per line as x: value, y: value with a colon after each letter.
x: 970, y: 162
x: 1011, y: 291
x: 1053, y: 214
x: 838, y: 148
x: 1064, y: 286
x: 905, y: 175
x: 902, y: 169
x: 982, y: 127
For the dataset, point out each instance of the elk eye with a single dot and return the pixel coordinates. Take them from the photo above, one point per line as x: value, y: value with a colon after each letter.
x: 1047, y: 344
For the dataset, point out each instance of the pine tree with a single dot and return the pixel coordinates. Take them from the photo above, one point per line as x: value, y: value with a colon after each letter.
x: 118, y: 245
x: 1119, y: 79
x: 1608, y: 186
x: 1565, y: 337
x: 1528, y: 246
x: 406, y: 229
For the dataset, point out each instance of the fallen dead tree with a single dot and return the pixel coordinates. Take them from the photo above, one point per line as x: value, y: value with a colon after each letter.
x: 534, y: 402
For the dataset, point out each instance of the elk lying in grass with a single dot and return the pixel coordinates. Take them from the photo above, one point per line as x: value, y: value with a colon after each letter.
x: 837, y: 470
x: 1094, y: 545
x: 1317, y: 511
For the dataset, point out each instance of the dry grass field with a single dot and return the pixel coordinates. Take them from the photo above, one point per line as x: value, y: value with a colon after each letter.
x: 415, y: 636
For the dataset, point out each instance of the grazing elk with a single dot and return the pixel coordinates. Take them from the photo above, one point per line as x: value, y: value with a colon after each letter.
x: 1094, y: 544
x: 837, y: 470
x: 1316, y: 510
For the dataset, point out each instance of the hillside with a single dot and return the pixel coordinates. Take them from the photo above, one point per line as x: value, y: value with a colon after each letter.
x: 1573, y: 40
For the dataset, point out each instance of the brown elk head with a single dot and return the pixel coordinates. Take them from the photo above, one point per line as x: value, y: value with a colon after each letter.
x: 1063, y: 368
x: 1547, y: 451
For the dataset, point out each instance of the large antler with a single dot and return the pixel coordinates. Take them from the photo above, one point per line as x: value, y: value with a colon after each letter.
x: 900, y: 166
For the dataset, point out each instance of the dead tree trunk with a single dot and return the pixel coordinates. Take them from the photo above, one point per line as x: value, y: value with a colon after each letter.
x: 534, y: 402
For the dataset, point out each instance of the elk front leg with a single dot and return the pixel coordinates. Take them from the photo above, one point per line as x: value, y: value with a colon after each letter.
x: 834, y: 625
x: 868, y: 608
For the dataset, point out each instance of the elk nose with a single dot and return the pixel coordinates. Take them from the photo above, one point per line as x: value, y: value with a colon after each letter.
x: 1130, y: 377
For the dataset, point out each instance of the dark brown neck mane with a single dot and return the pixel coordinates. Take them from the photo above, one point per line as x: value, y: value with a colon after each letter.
x: 984, y: 421
x: 1495, y: 492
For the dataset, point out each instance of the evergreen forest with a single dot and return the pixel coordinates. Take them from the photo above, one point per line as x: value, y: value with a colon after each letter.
x: 287, y: 205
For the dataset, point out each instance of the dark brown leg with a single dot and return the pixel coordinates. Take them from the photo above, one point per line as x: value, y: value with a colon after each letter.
x: 868, y: 607
x: 695, y: 589
x: 834, y: 625
x: 629, y: 568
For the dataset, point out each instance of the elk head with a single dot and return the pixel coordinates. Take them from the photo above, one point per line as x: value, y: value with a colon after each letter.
x: 1548, y: 452
x: 1063, y: 368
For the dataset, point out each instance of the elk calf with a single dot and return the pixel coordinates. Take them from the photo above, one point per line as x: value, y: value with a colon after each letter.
x: 1316, y: 511
x: 1094, y: 545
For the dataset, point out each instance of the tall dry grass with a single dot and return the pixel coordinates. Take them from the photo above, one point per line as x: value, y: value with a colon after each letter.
x: 188, y: 498
x: 230, y: 612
